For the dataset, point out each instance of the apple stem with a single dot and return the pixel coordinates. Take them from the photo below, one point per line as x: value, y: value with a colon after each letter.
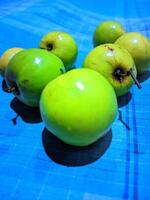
x: 8, y: 89
x: 122, y: 121
x: 11, y: 89
x: 130, y: 72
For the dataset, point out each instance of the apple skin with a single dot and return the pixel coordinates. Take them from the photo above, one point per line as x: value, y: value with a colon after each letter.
x: 78, y: 107
x: 30, y: 71
x: 139, y: 48
x: 62, y: 45
x: 107, y: 32
x: 106, y: 59
x: 6, y: 57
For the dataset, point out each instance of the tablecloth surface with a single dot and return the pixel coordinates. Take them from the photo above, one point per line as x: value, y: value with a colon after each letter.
x: 34, y: 165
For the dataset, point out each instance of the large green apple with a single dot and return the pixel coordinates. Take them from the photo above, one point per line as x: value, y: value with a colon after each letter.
x: 29, y: 71
x: 6, y: 57
x: 79, y: 106
x: 115, y: 63
x: 139, y: 48
x: 62, y: 45
x: 107, y: 32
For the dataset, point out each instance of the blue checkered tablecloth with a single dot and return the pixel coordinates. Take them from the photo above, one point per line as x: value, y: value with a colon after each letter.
x: 34, y: 165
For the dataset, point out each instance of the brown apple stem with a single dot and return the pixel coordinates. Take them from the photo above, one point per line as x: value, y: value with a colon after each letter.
x: 130, y: 72
x: 10, y: 89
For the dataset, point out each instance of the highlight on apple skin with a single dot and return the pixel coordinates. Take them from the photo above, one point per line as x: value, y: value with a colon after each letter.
x: 107, y: 32
x: 6, y: 57
x: 79, y: 106
x: 139, y: 48
x: 62, y: 45
x: 115, y: 64
x: 29, y: 71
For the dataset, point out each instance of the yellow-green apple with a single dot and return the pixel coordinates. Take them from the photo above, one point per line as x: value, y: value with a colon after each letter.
x: 115, y: 63
x: 29, y: 71
x: 79, y: 106
x: 62, y: 45
x: 139, y: 48
x: 6, y: 57
x: 107, y: 32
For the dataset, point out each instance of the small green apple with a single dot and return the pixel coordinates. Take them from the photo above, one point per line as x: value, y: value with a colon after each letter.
x: 29, y: 71
x: 6, y: 57
x: 62, y: 45
x: 139, y: 48
x: 86, y: 109
x: 115, y: 63
x: 107, y: 32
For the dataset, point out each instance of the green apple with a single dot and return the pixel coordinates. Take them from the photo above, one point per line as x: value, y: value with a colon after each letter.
x: 139, y: 48
x: 62, y: 45
x: 6, y: 57
x: 115, y: 63
x: 29, y: 71
x: 78, y: 107
x: 107, y: 32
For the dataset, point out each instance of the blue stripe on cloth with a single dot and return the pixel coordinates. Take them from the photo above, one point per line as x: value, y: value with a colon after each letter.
x: 136, y: 152
x: 128, y: 157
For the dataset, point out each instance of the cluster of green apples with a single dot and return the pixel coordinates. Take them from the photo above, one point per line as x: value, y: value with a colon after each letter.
x: 77, y: 105
x: 118, y: 55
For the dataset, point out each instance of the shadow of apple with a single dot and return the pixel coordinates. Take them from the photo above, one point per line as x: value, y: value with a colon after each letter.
x: 27, y: 113
x: 143, y: 77
x: 73, y: 67
x: 5, y: 87
x: 124, y: 100
x: 68, y: 155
